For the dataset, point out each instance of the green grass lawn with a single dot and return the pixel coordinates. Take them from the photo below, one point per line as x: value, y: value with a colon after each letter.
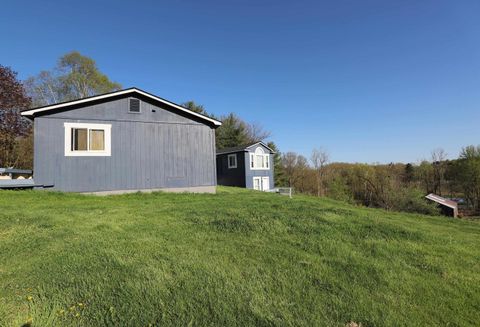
x: 235, y: 258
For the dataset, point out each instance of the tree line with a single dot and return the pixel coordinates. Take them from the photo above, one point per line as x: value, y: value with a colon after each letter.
x: 394, y: 186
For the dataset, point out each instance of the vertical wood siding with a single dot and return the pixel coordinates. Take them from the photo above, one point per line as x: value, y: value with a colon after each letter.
x: 242, y: 176
x: 231, y: 176
x: 250, y: 173
x: 149, y: 150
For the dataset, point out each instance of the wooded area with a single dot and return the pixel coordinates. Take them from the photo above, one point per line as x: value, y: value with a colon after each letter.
x: 394, y: 186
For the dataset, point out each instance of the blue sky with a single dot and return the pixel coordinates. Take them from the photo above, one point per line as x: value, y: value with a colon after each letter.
x: 370, y: 81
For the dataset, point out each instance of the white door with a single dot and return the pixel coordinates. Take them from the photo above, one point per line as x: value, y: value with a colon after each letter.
x: 265, y: 183
x: 257, y: 183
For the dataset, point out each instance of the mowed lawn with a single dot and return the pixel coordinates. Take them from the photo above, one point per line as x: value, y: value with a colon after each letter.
x: 236, y: 258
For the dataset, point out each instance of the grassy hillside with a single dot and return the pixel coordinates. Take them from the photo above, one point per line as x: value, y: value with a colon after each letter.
x: 235, y: 258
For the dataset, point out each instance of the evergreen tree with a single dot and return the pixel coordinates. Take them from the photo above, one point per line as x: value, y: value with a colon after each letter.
x: 279, y: 173
x: 409, y: 173
x: 233, y: 132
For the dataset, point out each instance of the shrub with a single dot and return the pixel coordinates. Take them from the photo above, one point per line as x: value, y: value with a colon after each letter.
x: 411, y: 199
x: 339, y: 190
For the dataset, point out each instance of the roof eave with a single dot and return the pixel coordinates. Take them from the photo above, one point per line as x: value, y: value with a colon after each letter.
x: 245, y: 149
x: 262, y: 143
x: 30, y: 113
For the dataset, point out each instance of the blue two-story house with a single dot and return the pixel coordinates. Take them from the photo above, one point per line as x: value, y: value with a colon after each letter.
x: 249, y: 166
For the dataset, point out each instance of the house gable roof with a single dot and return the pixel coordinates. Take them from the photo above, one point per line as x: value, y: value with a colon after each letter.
x: 243, y: 148
x: 31, y: 113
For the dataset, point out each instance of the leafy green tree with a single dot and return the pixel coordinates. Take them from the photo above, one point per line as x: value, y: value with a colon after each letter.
x: 75, y: 76
x: 338, y: 189
x: 82, y: 78
x: 425, y: 174
x: 468, y: 174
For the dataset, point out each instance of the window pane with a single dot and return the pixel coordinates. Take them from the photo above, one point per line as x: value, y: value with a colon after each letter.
x: 97, y: 139
x: 79, y: 139
x: 267, y: 161
x: 259, y: 161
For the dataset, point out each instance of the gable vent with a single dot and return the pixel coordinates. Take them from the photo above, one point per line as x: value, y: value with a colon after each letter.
x: 134, y: 105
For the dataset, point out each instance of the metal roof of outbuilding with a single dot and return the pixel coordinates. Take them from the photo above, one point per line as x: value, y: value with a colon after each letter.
x: 440, y: 200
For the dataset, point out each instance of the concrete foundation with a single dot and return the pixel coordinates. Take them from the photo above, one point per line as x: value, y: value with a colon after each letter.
x: 195, y: 189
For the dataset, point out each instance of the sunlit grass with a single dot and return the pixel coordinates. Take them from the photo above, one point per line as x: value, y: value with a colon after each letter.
x: 232, y: 259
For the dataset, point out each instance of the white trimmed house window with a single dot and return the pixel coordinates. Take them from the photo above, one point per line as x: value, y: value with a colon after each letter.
x: 232, y: 161
x: 82, y: 139
x: 259, y: 159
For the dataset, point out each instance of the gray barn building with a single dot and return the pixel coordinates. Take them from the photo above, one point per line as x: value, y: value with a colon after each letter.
x: 249, y: 166
x: 123, y: 141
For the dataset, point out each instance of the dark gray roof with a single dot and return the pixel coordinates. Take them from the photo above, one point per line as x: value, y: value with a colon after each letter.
x: 233, y: 149
x: 242, y: 148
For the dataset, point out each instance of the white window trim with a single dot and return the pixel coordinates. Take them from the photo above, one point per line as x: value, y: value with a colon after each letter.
x: 88, y: 153
x: 266, y: 159
x: 228, y: 160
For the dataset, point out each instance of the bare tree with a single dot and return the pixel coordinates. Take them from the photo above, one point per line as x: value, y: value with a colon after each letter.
x: 319, y: 159
x: 256, y: 132
x: 289, y: 161
x: 439, y: 167
x: 44, y: 89
x: 295, y: 167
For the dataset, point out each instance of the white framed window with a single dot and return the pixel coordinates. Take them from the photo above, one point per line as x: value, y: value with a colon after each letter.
x: 232, y: 161
x: 259, y: 160
x: 85, y: 139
